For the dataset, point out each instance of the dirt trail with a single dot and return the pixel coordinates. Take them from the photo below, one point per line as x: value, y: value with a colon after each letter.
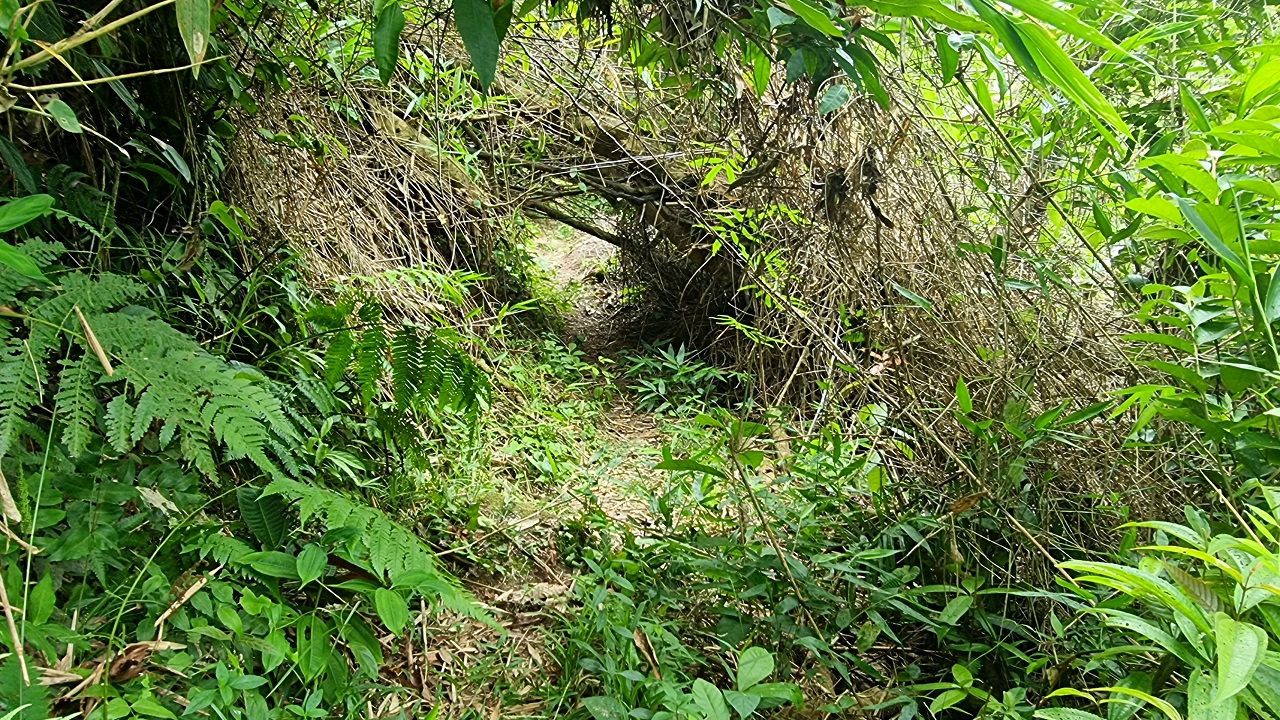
x: 577, y: 264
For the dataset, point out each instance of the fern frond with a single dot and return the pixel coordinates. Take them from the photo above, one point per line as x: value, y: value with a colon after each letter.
x: 391, y: 549
x: 370, y: 353
x: 406, y: 366
x: 224, y: 549
x: 76, y: 401
x: 20, y: 386
x: 119, y: 423
x: 338, y: 357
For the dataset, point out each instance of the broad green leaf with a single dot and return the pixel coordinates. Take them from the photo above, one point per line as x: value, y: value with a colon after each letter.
x: 1180, y: 344
x: 676, y: 465
x: 194, y: 25
x: 1260, y: 85
x: 315, y: 646
x: 17, y: 213
x: 776, y: 693
x: 18, y: 261
x: 1241, y: 647
x: 1195, y: 111
x: 392, y: 609
x: 266, y: 515
x: 1271, y: 306
x: 1158, y: 207
x: 312, y: 562
x: 743, y: 703
x: 1189, y: 171
x: 272, y: 563
x: 480, y: 36
x: 709, y: 700
x: 948, y: 699
x: 815, y: 17
x: 778, y: 17
x: 958, y: 606
x: 1164, y: 706
x: 364, y: 645
x: 1061, y: 71
x: 41, y: 602
x: 966, y: 406
x: 754, y: 666
x: 833, y: 99
x: 869, y: 70
x: 64, y: 116
x: 605, y: 708
x: 929, y: 10
x: 1143, y: 585
x: 1262, y: 143
x: 150, y: 707
x: 386, y: 39
x: 1007, y: 33
x: 1200, y: 700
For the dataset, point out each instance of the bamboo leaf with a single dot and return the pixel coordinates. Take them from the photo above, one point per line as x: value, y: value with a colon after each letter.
x: 194, y: 26
x: 1066, y: 22
x: 386, y: 40
x: 1220, y: 248
x: 480, y: 36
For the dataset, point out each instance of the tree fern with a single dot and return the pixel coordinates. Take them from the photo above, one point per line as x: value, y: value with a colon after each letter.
x: 392, y: 552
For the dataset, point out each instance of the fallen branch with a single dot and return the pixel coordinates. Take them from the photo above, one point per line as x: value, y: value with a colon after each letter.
x: 577, y: 224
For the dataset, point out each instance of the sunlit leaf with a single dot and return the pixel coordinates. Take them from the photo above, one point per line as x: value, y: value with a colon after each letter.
x: 1241, y: 648
x: 64, y: 116
x: 815, y: 17
x: 193, y: 26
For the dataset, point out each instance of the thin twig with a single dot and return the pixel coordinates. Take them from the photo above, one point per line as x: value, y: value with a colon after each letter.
x: 13, y: 633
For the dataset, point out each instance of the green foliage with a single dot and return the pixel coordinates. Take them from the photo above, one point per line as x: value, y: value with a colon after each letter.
x: 1206, y: 604
x: 670, y: 380
x: 382, y: 546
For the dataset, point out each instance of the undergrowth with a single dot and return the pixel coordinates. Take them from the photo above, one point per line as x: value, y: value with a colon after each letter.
x: 233, y: 485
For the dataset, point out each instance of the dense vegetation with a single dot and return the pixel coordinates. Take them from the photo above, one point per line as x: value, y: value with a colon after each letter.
x: 936, y: 373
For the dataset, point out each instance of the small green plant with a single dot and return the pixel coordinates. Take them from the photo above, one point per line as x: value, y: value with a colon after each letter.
x: 671, y: 380
x: 702, y: 700
x: 1191, y: 617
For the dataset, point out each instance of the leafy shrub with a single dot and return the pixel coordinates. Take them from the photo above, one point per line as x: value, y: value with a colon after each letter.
x: 670, y: 380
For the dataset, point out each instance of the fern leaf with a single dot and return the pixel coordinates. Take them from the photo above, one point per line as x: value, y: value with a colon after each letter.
x: 119, y: 423
x: 338, y: 357
x: 19, y: 390
x: 392, y: 550
x: 150, y: 407
x: 76, y: 402
x: 406, y: 366
x: 369, y: 361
